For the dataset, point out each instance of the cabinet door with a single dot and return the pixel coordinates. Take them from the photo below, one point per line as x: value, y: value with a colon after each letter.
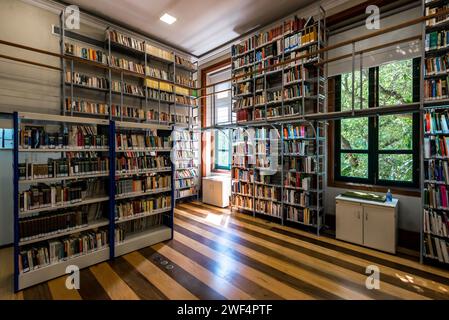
x: 379, y: 228
x: 349, y: 222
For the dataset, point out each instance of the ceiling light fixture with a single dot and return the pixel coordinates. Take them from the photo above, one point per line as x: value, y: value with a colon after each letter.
x: 168, y: 18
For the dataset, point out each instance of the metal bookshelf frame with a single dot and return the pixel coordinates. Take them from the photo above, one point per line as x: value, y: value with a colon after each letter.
x: 318, y: 127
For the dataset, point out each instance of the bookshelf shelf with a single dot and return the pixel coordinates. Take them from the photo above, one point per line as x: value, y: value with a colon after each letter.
x: 48, y: 272
x: 141, y: 240
x: 434, y: 106
x: 56, y: 179
x: 29, y: 213
x: 60, y: 233
x: 142, y: 215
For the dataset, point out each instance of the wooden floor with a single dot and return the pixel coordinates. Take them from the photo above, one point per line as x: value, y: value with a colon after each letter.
x: 218, y: 256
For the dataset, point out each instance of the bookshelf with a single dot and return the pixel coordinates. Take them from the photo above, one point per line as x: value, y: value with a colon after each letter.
x: 435, y: 137
x: 278, y: 173
x: 260, y: 94
x: 144, y: 197
x: 186, y: 157
x: 126, y: 78
x: 62, y: 195
x: 278, y: 162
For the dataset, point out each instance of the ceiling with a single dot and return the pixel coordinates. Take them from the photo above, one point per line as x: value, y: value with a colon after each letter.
x: 202, y: 25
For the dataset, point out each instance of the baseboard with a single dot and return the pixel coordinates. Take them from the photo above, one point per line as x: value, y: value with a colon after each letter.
x: 4, y: 246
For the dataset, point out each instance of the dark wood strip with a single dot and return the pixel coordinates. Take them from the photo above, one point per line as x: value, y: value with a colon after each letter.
x: 293, y: 282
x: 361, y: 288
x: 244, y: 284
x: 412, y: 287
x: 374, y: 259
x: 192, y: 284
x: 90, y: 288
x: 135, y: 280
x: 38, y: 292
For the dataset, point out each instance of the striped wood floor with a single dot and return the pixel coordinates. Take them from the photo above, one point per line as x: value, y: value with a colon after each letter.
x: 218, y: 256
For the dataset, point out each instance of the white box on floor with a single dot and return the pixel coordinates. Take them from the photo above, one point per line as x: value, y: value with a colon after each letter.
x: 217, y: 190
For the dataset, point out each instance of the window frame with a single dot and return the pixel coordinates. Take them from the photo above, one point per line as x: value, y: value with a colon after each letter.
x: 217, y: 150
x: 373, y: 151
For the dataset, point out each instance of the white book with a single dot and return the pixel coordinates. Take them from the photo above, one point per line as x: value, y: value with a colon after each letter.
x: 444, y: 250
x: 444, y: 127
x: 439, y: 251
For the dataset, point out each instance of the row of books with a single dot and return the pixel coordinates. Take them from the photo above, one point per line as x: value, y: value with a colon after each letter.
x: 36, y: 137
x: 267, y: 36
x: 126, y: 64
x: 436, y: 170
x: 65, y: 167
x: 297, y: 131
x: 54, y: 251
x: 184, y: 135
x: 436, y: 10
x: 297, y: 180
x: 242, y: 88
x: 302, y: 148
x: 147, y: 139
x: 123, y: 230
x: 436, y: 248
x: 297, y: 24
x: 161, y: 95
x: 242, y: 201
x: 294, y: 74
x: 80, y: 105
x: 243, y: 47
x: 127, y: 88
x: 301, y: 215
x: 301, y: 38
x: 268, y: 207
x: 296, y: 197
x: 436, y: 40
x: 42, y: 196
x: 86, y: 80
x: 436, y: 122
x: 269, y: 51
x: 437, y: 65
x: 305, y: 164
x: 243, y: 188
x: 186, y: 192
x: 142, y: 184
x: 184, y: 154
x: 184, y: 62
x: 85, y: 53
x: 159, y: 73
x: 302, y: 56
x: 185, y: 183
x: 126, y: 41
x: 435, y: 196
x: 245, y: 60
x: 186, y: 174
x: 135, y: 207
x: 436, y: 223
x: 436, y: 88
x: 186, y: 164
x: 269, y: 192
x: 35, y: 228
x: 135, y: 161
x: 242, y: 175
x: 185, y: 81
x: 436, y: 146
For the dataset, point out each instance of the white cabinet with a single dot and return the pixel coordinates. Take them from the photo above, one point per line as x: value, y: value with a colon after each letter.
x: 368, y: 223
x: 216, y: 190
x: 349, y: 222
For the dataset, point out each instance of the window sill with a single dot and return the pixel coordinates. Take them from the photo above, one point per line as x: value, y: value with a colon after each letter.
x: 411, y: 192
x: 221, y: 171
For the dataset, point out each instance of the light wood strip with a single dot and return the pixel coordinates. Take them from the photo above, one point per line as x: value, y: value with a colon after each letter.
x: 60, y: 292
x: 170, y: 288
x: 329, y: 268
x: 218, y: 284
x: 115, y: 287
x: 264, y: 280
x: 410, y: 279
x: 287, y: 268
x: 374, y: 253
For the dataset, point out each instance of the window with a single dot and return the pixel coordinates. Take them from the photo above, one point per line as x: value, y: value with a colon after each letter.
x: 378, y: 150
x: 6, y: 139
x: 222, y: 103
x: 222, y: 150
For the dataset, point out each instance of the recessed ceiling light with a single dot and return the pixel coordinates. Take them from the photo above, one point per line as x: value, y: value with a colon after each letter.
x: 168, y: 18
